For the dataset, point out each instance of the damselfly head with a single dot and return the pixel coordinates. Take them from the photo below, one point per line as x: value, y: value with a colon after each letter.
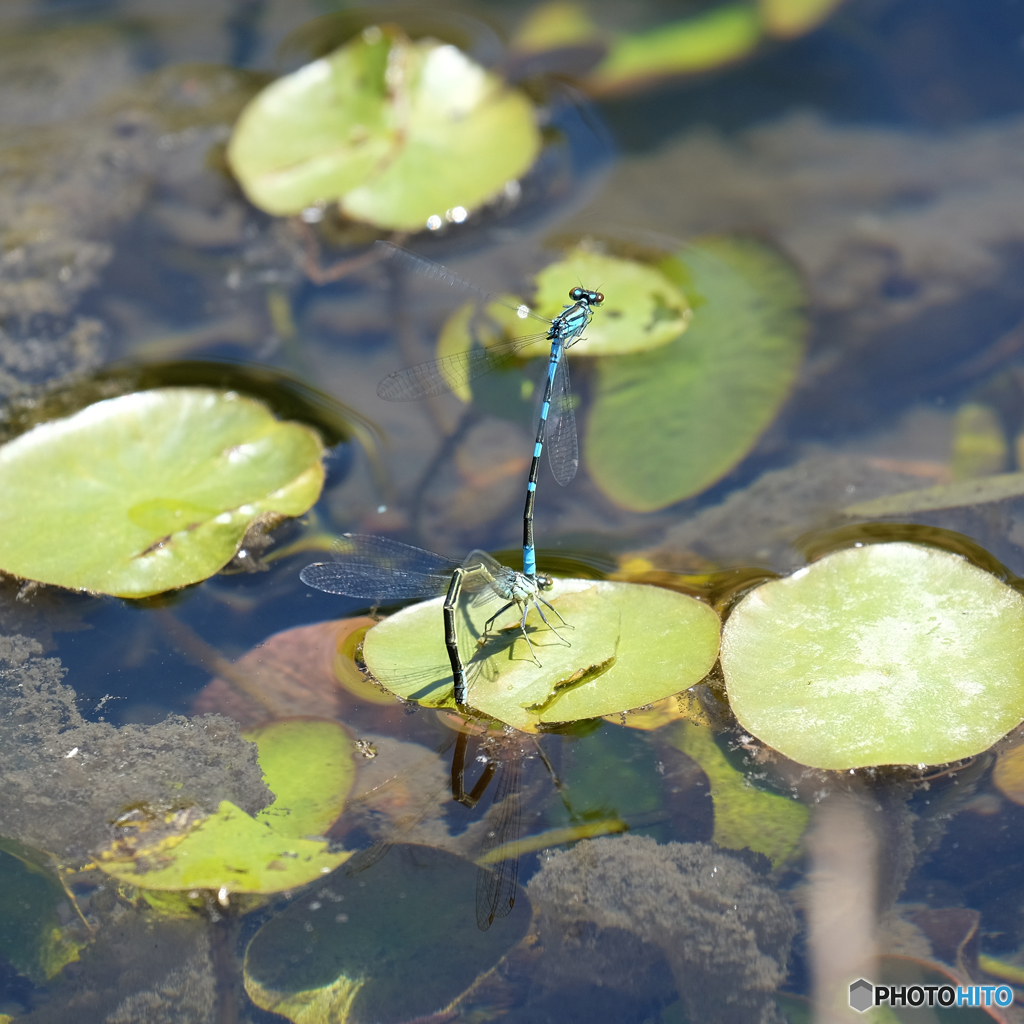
x: 578, y: 294
x: 544, y: 582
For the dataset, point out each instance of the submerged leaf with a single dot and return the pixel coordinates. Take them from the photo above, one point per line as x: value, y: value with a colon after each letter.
x: 745, y: 817
x: 391, y: 944
x: 958, y: 495
x: 787, y: 18
x: 707, y: 40
x: 666, y: 424
x: 32, y: 938
x: 1008, y: 774
x: 553, y: 25
x: 307, y: 762
x: 466, y: 136
x: 883, y: 654
x: 395, y: 131
x: 630, y: 645
x: 136, y: 495
x: 979, y: 444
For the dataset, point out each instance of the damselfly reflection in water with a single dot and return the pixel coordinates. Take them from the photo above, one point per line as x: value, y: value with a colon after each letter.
x: 492, y: 841
x: 379, y: 569
x: 557, y: 419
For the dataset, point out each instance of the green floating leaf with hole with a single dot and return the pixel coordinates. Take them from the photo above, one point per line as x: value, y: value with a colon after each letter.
x: 394, y: 131
x: 884, y: 654
x: 631, y: 645
x: 745, y: 817
x: 642, y: 308
x: 667, y: 424
x: 391, y: 945
x: 155, y: 490
x: 307, y: 763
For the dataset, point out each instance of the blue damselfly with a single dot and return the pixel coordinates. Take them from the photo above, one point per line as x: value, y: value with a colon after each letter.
x: 557, y: 419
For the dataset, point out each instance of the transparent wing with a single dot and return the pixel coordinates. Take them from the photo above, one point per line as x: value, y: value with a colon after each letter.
x: 421, y: 265
x: 560, y: 434
x: 493, y: 581
x: 377, y: 568
x: 497, y: 884
x: 440, y: 376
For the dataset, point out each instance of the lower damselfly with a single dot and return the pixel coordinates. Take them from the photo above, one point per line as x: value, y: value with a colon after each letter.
x: 502, y: 755
x: 557, y: 420
x: 380, y: 569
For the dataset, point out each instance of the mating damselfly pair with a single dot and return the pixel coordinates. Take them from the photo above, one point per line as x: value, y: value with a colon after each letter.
x: 379, y: 569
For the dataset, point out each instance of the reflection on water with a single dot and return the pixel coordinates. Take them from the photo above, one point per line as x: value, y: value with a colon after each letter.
x: 882, y: 155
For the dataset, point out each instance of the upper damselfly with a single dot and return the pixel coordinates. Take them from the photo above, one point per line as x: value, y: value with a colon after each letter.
x: 557, y: 420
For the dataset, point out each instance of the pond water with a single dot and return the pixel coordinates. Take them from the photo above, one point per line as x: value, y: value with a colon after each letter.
x: 673, y: 869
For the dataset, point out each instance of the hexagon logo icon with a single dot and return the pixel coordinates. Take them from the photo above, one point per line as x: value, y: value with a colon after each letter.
x: 861, y: 995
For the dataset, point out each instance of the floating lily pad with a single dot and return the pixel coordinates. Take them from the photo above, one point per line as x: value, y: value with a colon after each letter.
x: 745, y: 817
x: 667, y: 424
x: 391, y: 944
x: 154, y: 490
x: 642, y: 310
x: 226, y: 851
x: 883, y: 654
x: 395, y: 131
x: 307, y: 763
x: 631, y: 645
x: 318, y: 132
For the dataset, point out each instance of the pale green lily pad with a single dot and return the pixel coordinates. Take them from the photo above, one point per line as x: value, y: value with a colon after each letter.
x: 745, y: 817
x: 307, y: 762
x: 884, y: 654
x: 226, y: 851
x: 642, y: 308
x: 631, y: 645
x: 666, y: 424
x: 390, y: 945
x: 392, y: 130
x: 136, y: 495
x: 467, y: 136
x: 318, y: 132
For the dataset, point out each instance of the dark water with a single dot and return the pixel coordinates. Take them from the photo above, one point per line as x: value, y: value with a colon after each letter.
x: 882, y: 153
